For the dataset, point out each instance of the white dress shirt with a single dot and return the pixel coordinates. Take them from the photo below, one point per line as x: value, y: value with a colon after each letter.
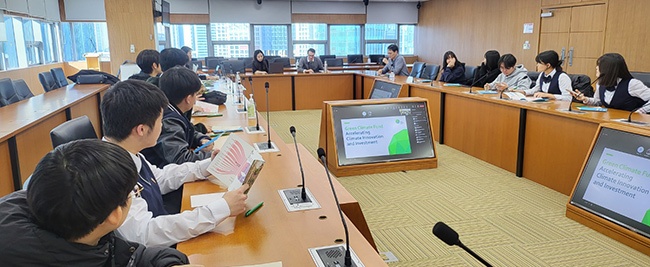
x: 166, y: 230
x: 635, y: 88
x: 564, y: 82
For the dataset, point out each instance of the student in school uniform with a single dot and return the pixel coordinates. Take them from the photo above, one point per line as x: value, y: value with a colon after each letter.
x: 132, y: 114
x: 395, y: 62
x: 149, y: 62
x: 512, y: 76
x: 552, y: 83
x: 260, y: 64
x: 79, y: 193
x: 489, y: 69
x: 616, y: 88
x: 188, y: 51
x: 453, y: 71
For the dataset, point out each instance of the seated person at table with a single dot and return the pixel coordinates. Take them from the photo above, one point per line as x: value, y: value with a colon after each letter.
x: 188, y: 52
x: 552, y: 83
x: 453, y: 71
x: 149, y: 62
x: 489, y: 69
x: 132, y: 114
x: 512, y: 76
x: 310, y: 63
x: 169, y: 58
x: 260, y: 64
x: 79, y: 193
x: 395, y: 63
x: 616, y: 88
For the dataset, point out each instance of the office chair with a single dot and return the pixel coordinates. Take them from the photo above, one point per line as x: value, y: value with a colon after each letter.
x: 644, y: 77
x: 297, y: 60
x: 47, y: 81
x: 248, y: 62
x: 22, y: 90
x: 430, y: 72
x: 417, y: 69
x: 7, y: 92
x: 334, y: 62
x: 355, y: 59
x: 326, y: 57
x: 470, y: 71
x: 376, y: 58
x: 581, y: 83
x: 271, y: 58
x: 59, y: 77
x: 533, y: 75
x: 75, y: 129
x: 286, y: 62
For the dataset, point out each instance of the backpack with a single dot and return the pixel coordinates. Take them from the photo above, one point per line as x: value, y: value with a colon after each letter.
x: 215, y: 97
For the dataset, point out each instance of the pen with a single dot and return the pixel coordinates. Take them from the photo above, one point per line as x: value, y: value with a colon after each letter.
x: 207, y: 143
x: 254, y: 209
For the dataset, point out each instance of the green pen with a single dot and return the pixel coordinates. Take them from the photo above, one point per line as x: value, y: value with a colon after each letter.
x: 254, y: 209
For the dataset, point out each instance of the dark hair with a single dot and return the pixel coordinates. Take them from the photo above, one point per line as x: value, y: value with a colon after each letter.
x: 393, y: 47
x: 179, y: 82
x: 186, y: 49
x: 508, y: 61
x: 611, y: 67
x: 128, y: 104
x: 447, y: 55
x: 492, y: 59
x: 256, y: 53
x: 78, y: 184
x: 550, y: 57
x: 311, y: 50
x: 172, y: 57
x: 146, y: 58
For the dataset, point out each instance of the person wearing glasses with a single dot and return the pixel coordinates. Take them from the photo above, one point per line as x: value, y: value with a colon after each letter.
x: 310, y: 63
x: 512, y: 76
x: 395, y: 63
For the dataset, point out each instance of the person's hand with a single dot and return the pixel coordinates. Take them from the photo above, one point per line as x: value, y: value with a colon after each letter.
x: 207, y: 148
x: 236, y: 200
x: 639, y: 111
x: 214, y: 153
x: 310, y: 71
x: 486, y: 86
x: 546, y: 95
x: 502, y: 86
x: 578, y: 95
x: 385, y: 60
x: 451, y: 63
x: 379, y: 72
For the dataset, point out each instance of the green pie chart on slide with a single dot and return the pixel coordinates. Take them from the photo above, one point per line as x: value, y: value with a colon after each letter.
x: 400, y: 143
x: 646, y: 218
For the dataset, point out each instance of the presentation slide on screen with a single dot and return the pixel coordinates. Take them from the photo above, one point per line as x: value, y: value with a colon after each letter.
x: 621, y: 183
x: 371, y: 137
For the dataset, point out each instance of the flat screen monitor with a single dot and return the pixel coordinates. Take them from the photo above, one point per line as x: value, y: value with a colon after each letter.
x: 382, y: 132
x: 326, y: 57
x: 615, y: 182
x: 384, y: 89
x: 355, y: 59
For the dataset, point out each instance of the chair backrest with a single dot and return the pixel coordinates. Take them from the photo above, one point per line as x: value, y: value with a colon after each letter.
x: 470, y: 72
x: 7, y: 92
x: 533, y: 75
x: 248, y: 62
x: 430, y: 72
x: 644, y: 77
x: 326, y: 57
x: 22, y: 90
x: 59, y: 77
x: 582, y: 83
x: 334, y: 62
x: 376, y: 58
x: 47, y: 81
x: 355, y: 59
x: 75, y: 129
x: 416, y: 71
x: 286, y: 62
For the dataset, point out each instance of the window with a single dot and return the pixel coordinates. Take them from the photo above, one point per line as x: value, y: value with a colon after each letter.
x: 309, y: 35
x: 79, y: 38
x: 345, y: 39
x: 193, y: 36
x: 300, y: 50
x: 29, y: 42
x: 231, y: 39
x: 273, y: 40
x: 380, y: 36
x: 10, y: 56
x: 50, y: 42
x: 380, y: 32
x: 407, y: 39
x: 377, y: 48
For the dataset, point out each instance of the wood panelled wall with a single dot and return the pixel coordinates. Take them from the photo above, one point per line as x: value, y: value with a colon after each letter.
x: 129, y: 22
x: 626, y: 32
x: 470, y: 27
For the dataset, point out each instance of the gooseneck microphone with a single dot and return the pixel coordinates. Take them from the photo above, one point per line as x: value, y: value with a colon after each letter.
x: 348, y: 259
x: 449, y: 236
x: 257, y: 119
x: 629, y: 117
x: 268, y: 120
x: 303, y: 193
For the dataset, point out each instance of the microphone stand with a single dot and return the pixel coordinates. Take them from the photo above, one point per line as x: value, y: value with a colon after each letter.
x: 268, y: 120
x: 257, y: 119
x: 303, y: 193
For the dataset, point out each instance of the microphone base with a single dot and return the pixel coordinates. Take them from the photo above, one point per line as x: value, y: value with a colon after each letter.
x: 253, y: 130
x: 630, y: 122
x: 571, y: 111
x: 333, y: 256
x: 292, y: 199
x: 263, y: 147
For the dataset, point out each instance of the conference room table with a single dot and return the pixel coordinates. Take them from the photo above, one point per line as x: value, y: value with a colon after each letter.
x: 272, y: 233
x: 25, y: 128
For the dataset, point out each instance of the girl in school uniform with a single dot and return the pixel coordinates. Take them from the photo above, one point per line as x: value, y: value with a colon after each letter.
x: 552, y: 82
x: 616, y: 88
x: 260, y: 64
x: 453, y: 71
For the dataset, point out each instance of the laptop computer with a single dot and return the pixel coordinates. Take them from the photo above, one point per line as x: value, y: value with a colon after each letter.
x: 276, y: 67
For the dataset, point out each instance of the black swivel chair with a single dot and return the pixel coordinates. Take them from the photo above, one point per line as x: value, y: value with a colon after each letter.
x: 470, y: 71
x: 355, y: 59
x: 75, y: 129
x: 376, y: 58
x: 248, y: 62
x: 644, y: 77
x: 47, y: 81
x: 7, y: 92
x: 22, y: 90
x: 334, y: 62
x: 581, y: 83
x: 286, y: 62
x: 430, y: 72
x: 416, y: 71
x: 533, y: 75
x: 326, y: 57
x: 59, y: 77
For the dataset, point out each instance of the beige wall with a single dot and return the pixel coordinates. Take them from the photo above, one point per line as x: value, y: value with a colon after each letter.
x: 627, y: 33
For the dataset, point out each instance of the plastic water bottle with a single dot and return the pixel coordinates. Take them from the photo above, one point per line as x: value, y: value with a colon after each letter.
x: 325, y: 67
x: 391, y: 76
x: 250, y: 107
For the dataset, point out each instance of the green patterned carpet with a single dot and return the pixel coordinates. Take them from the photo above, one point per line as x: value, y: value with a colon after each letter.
x: 509, y: 221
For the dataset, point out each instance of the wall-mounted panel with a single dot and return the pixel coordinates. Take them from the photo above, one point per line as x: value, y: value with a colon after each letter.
x: 328, y: 7
x: 188, y: 6
x: 52, y: 10
x: 406, y: 13
x: 85, y: 10
x: 18, y: 6
x: 36, y: 8
x: 245, y: 11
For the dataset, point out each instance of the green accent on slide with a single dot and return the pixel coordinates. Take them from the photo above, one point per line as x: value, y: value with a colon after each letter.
x: 646, y: 218
x: 400, y: 143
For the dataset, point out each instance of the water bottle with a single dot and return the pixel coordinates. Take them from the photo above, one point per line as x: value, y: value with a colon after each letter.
x: 250, y: 108
x: 325, y: 67
x: 391, y: 76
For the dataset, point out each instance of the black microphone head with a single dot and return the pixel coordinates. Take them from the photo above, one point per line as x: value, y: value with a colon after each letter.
x: 446, y: 234
x: 266, y: 85
x: 320, y: 152
x: 250, y: 79
x: 292, y: 130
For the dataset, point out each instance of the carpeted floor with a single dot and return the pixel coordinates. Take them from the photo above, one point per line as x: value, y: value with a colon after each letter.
x: 509, y: 221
